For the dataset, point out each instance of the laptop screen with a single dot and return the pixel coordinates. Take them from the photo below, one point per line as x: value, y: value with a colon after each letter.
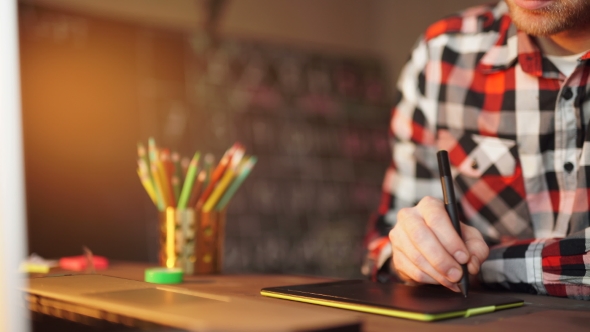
x: 12, y: 194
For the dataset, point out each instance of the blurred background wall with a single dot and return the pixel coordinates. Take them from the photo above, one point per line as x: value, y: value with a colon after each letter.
x: 306, y: 85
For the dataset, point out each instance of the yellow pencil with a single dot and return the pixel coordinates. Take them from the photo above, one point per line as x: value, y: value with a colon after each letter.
x: 144, y: 172
x: 158, y: 184
x: 219, y: 190
x: 147, y: 185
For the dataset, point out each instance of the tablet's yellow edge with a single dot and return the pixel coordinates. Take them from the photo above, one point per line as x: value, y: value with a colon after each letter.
x: 510, y: 305
x: 355, y: 307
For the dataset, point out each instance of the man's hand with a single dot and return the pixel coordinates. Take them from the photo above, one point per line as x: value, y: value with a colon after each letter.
x: 427, y: 249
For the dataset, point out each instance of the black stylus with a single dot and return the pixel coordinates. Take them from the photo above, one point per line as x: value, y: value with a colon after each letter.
x: 446, y: 180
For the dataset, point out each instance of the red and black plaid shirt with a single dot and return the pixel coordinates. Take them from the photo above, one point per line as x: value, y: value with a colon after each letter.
x: 517, y: 134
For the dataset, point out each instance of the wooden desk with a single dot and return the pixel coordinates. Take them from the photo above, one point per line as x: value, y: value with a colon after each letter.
x: 540, y: 313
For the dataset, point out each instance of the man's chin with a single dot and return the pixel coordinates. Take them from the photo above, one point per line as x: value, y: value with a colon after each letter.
x: 535, y: 29
x: 549, y: 18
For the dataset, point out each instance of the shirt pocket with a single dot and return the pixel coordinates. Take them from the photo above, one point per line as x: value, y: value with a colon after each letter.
x: 489, y: 156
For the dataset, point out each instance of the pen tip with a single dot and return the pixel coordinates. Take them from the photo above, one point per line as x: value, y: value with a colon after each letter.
x: 463, y: 290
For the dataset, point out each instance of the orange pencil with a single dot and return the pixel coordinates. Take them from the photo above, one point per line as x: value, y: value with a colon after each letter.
x: 197, y: 188
x: 166, y: 158
x: 165, y: 167
x: 218, y: 172
x: 208, y: 164
x: 166, y: 185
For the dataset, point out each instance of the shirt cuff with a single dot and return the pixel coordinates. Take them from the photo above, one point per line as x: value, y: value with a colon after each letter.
x: 516, y: 266
x: 377, y: 264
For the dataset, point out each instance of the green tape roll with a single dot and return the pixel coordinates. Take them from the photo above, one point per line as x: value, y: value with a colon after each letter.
x: 162, y: 275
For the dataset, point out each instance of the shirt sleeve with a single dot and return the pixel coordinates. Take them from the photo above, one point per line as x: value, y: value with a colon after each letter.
x: 413, y: 171
x: 556, y: 267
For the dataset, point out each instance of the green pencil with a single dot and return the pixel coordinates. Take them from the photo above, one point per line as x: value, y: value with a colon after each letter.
x: 244, y: 171
x: 152, y: 149
x: 189, y: 181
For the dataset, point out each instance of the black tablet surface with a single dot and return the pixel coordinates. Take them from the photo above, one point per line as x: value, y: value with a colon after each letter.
x: 424, y: 302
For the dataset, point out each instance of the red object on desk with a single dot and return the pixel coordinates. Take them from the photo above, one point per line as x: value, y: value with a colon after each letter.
x: 79, y: 263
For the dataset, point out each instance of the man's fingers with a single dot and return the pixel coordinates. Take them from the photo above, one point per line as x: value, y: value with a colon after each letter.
x: 417, y: 255
x: 427, y: 244
x: 435, y: 216
x: 420, y: 274
x: 477, y: 247
x: 410, y: 272
x: 473, y: 265
x: 427, y: 249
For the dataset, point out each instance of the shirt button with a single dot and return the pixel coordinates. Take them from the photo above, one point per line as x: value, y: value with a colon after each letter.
x: 567, y: 93
x: 568, y: 167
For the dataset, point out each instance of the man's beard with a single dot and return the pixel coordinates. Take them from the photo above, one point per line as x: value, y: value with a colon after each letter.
x: 559, y: 16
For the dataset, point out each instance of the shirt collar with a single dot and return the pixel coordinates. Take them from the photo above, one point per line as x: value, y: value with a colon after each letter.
x: 514, y: 46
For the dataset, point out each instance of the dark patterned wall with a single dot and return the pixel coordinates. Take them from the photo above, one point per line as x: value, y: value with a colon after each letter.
x: 318, y: 124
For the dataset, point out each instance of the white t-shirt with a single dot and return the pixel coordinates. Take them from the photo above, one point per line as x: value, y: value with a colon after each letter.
x: 566, y: 64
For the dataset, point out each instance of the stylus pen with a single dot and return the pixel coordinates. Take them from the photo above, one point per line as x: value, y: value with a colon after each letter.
x: 446, y: 180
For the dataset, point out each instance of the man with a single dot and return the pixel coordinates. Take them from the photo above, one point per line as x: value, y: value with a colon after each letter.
x: 505, y: 90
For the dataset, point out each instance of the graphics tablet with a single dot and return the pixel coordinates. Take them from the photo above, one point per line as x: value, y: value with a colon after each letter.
x: 425, y: 302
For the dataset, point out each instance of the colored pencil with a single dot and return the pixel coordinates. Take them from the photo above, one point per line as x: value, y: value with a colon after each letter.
x: 142, y: 153
x: 243, y: 173
x: 225, y: 181
x: 171, y: 174
x: 166, y: 158
x: 177, y: 167
x: 197, y: 188
x: 184, y: 162
x: 147, y: 185
x: 157, y: 171
x: 165, y: 183
x: 174, y: 182
x: 188, y: 182
x: 165, y: 167
x: 217, y: 174
x: 208, y: 164
x: 144, y: 171
x: 152, y: 149
x: 158, y: 185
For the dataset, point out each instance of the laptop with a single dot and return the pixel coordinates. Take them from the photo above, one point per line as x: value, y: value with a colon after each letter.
x: 141, y: 304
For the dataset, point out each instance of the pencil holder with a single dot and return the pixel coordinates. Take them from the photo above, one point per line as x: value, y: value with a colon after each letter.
x: 210, y: 233
x: 177, y: 239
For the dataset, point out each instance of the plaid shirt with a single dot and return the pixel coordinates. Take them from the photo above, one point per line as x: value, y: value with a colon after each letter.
x: 516, y: 130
